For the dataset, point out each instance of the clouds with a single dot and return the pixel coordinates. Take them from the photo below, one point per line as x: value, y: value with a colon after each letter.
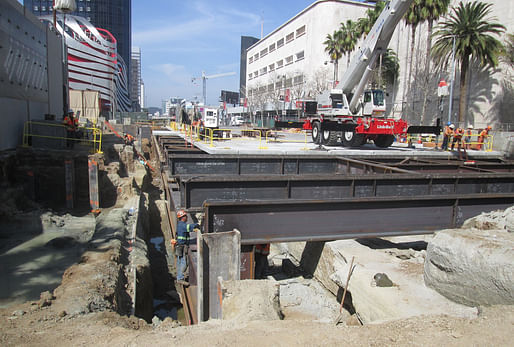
x: 180, y: 39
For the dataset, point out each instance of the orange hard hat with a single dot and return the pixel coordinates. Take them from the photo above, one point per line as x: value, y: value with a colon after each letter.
x: 489, y: 127
x: 181, y: 213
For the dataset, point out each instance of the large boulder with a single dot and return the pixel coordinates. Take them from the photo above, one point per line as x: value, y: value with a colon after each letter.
x: 474, y: 266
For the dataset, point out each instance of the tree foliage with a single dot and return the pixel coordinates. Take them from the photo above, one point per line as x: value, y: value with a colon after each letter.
x: 475, y: 36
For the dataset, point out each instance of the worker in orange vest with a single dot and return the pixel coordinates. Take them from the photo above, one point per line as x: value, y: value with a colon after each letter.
x: 457, y: 138
x: 483, y: 134
x: 129, y: 139
x: 261, y: 260
x: 71, y: 124
x: 448, y: 132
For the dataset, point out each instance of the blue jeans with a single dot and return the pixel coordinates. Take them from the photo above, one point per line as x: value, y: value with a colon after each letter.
x: 181, y: 267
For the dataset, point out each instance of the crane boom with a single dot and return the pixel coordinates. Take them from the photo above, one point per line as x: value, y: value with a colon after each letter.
x: 356, y: 77
x: 205, y: 78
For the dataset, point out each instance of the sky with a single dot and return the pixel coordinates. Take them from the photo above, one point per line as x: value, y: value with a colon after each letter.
x: 180, y: 39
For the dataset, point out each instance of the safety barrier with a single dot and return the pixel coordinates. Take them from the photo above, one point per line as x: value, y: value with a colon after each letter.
x: 83, y: 135
x: 274, y: 138
x: 474, y: 144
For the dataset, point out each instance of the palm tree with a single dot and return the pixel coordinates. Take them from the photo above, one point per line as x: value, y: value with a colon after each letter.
x: 333, y: 45
x: 474, y: 33
x: 388, y: 72
x: 350, y: 36
x: 413, y: 18
x: 366, y: 23
x: 430, y: 10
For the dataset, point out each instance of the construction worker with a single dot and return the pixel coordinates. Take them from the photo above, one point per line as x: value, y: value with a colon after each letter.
x: 458, y: 138
x: 129, y: 139
x: 261, y: 260
x: 447, y: 134
x: 71, y: 124
x: 483, y: 135
x: 467, y: 137
x: 182, y: 244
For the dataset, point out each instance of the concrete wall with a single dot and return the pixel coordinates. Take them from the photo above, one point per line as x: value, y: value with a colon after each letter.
x: 30, y: 72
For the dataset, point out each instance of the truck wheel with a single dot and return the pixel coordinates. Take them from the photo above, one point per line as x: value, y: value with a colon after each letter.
x: 330, y: 138
x: 351, y: 139
x: 316, y: 129
x: 384, y: 141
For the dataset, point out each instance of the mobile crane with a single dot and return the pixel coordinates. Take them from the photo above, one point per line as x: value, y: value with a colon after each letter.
x: 350, y: 112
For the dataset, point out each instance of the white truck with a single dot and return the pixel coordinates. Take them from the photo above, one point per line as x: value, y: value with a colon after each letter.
x: 210, y: 117
x: 352, y: 114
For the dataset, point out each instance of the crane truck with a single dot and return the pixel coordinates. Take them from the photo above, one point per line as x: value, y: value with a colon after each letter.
x: 350, y: 113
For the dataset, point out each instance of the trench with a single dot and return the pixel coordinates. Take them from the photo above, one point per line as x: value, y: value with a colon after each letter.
x: 165, y: 301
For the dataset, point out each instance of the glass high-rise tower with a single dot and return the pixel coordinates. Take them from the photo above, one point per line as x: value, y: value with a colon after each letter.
x: 112, y: 15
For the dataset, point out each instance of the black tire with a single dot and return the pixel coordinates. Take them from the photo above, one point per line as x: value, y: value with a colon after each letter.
x: 384, y: 141
x: 351, y: 139
x: 330, y: 138
x: 316, y: 130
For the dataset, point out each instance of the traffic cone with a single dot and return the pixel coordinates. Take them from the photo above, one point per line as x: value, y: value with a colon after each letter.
x: 419, y: 140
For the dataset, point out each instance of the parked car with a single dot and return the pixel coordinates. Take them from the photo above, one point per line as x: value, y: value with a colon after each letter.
x: 236, y: 121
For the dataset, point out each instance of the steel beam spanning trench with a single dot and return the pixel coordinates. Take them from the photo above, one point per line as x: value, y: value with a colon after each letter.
x: 195, y: 190
x: 451, y: 166
x: 271, y: 165
x: 288, y: 221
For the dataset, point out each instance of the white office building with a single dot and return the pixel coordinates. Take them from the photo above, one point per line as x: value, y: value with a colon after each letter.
x: 291, y: 62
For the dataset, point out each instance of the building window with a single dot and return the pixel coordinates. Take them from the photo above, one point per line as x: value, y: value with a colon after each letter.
x: 289, y: 82
x: 300, y: 31
x: 289, y: 60
x: 299, y: 56
x: 249, y: 76
x: 263, y: 71
x: 271, y: 47
x: 280, y: 63
x: 43, y: 8
x: 280, y: 43
x: 271, y: 67
x: 250, y: 60
x: 36, y: 8
x: 88, y: 9
x: 256, y: 57
x: 298, y: 79
x: 270, y: 87
x: 262, y: 89
x: 264, y: 52
x: 290, y: 37
x: 81, y: 9
x: 255, y: 74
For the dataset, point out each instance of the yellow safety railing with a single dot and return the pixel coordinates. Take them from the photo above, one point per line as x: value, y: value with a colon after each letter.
x: 274, y: 138
x: 87, y: 135
x: 487, y: 145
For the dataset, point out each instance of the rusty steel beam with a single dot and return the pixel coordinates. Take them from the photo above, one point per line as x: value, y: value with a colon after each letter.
x: 287, y: 221
x: 194, y: 191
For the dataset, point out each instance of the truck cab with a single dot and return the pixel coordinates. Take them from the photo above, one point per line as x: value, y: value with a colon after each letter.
x: 210, y: 117
x: 373, y: 103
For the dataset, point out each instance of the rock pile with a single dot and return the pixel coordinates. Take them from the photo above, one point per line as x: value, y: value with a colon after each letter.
x: 474, y: 265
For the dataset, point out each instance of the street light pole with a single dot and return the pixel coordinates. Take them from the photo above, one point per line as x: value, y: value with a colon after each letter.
x: 452, y: 82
